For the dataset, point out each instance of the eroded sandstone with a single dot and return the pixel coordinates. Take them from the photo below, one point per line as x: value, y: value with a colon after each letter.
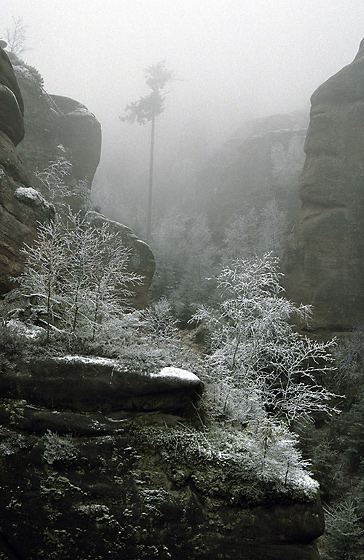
x: 141, y: 486
x: 324, y: 261
x: 19, y: 214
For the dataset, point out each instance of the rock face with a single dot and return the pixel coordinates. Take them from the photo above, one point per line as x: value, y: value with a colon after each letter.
x: 324, y: 261
x: 122, y: 484
x: 21, y: 208
x: 82, y: 134
x: 56, y: 127
x: 260, y: 162
x: 92, y: 384
x: 11, y: 101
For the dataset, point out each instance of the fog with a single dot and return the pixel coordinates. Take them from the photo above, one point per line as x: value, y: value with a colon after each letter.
x: 233, y: 61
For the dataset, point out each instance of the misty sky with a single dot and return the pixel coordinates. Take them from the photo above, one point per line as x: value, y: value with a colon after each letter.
x: 235, y: 59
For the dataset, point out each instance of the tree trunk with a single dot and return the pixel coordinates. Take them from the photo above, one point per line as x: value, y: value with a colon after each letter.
x: 150, y: 189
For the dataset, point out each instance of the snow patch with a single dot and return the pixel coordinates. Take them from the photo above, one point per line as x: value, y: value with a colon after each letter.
x: 81, y: 110
x: 31, y: 332
x: 176, y: 373
x: 32, y: 197
x: 28, y: 193
x: 96, y: 361
x: 168, y: 373
x: 306, y: 483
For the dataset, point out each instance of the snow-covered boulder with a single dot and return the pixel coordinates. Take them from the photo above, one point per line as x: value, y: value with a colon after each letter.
x: 93, y: 383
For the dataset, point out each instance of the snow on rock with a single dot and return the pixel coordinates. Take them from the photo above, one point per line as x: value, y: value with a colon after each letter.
x: 306, y: 484
x: 87, y: 360
x: 97, y: 383
x: 130, y: 379
x: 30, y: 332
x: 32, y: 197
x: 175, y: 373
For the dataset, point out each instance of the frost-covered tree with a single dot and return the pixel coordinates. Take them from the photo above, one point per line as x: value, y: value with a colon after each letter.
x: 254, y: 345
x: 344, y: 538
x: 44, y: 263
x: 241, y: 236
x: 273, y: 229
x: 80, y: 269
x: 16, y: 37
x: 160, y: 320
x: 255, y: 233
x: 97, y: 280
x: 146, y: 109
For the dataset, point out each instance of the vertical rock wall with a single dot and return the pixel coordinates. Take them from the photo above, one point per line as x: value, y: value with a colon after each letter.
x: 56, y: 128
x: 261, y: 162
x: 324, y: 260
x: 21, y: 207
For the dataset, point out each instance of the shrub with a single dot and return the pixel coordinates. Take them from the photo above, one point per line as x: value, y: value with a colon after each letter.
x: 254, y: 345
x: 80, y: 271
x: 57, y: 448
x: 160, y: 320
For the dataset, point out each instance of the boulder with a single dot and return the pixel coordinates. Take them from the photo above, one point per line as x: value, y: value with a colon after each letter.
x: 324, y: 258
x: 90, y: 384
x: 81, y: 132
x: 141, y: 259
x: 57, y: 128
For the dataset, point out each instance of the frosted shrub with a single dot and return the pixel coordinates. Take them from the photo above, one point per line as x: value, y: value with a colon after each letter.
x: 11, y: 342
x: 254, y: 345
x: 276, y: 452
x: 61, y: 188
x: 160, y: 320
x: 53, y: 179
x: 44, y: 262
x: 80, y: 272
x: 57, y: 448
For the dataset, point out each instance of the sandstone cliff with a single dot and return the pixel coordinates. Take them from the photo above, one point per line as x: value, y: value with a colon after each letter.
x: 260, y: 162
x: 324, y: 261
x: 21, y: 207
x: 102, y: 459
x: 56, y: 127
